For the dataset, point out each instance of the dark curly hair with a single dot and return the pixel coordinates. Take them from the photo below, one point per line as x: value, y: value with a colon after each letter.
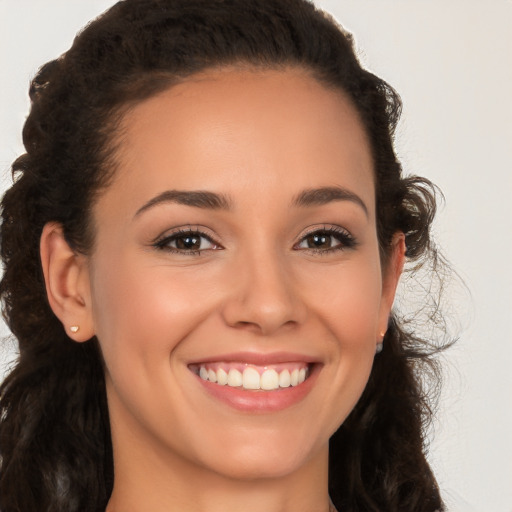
x: 55, y: 446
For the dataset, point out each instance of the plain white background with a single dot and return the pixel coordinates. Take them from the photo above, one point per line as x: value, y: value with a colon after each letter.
x: 451, y: 61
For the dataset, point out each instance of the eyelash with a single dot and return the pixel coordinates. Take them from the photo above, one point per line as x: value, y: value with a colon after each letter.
x: 163, y: 243
x: 347, y: 241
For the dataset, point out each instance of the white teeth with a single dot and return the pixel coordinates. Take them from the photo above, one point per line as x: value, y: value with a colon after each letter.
x: 269, y: 380
x: 251, y: 379
x: 222, y: 377
x: 284, y: 379
x: 234, y: 378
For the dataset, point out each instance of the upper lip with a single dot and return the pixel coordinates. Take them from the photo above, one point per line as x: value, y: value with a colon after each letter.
x: 258, y: 358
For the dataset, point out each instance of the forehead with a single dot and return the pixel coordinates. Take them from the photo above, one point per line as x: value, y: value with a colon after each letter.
x: 244, y: 132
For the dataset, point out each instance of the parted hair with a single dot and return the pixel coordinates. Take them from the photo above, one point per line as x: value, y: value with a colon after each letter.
x: 55, y: 445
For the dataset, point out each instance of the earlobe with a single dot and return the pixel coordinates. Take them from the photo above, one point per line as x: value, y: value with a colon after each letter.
x: 66, y: 278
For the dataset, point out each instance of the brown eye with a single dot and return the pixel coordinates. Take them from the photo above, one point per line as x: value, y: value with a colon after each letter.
x: 319, y: 241
x: 187, y: 242
x: 326, y: 240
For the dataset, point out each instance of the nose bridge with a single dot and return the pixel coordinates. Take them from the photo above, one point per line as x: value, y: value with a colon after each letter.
x: 263, y: 291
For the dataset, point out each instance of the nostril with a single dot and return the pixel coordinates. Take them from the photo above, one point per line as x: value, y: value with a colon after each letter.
x: 263, y: 305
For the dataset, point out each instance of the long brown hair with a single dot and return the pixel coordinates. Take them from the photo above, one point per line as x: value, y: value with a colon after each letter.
x: 54, y: 429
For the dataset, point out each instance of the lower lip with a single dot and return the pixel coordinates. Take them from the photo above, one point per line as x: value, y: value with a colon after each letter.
x: 259, y: 401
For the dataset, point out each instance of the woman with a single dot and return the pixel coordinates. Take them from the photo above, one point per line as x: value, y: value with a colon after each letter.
x: 202, y: 248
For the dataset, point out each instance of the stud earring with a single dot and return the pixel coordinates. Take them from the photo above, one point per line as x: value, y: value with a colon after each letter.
x: 380, y: 344
x: 74, y: 328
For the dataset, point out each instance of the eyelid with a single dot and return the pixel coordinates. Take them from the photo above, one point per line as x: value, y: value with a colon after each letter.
x: 348, y: 241
x: 162, y: 240
x: 345, y: 238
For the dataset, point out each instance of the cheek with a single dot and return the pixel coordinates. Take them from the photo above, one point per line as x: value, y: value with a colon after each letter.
x: 142, y: 315
x: 353, y: 322
x: 347, y: 298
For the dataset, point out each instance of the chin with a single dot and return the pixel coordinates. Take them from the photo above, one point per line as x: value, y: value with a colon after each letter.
x: 261, y: 469
x: 261, y: 460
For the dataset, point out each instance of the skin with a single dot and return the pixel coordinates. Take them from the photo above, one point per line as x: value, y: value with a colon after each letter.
x: 260, y: 138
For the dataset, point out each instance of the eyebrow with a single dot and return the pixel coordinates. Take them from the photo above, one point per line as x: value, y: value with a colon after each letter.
x: 196, y: 198
x: 214, y: 201
x: 324, y: 195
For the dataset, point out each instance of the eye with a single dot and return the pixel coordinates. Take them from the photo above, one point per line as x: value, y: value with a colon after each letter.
x: 327, y: 240
x: 186, y: 242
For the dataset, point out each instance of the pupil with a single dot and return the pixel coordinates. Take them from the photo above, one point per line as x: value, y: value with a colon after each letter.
x: 188, y: 242
x: 321, y: 241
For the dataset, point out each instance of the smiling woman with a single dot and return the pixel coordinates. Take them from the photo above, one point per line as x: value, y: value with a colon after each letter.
x: 208, y: 228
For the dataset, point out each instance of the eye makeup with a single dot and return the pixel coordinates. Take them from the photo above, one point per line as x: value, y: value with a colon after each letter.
x: 187, y: 241
x: 192, y: 241
x: 326, y: 240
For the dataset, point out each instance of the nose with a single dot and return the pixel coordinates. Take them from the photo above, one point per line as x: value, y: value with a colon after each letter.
x: 262, y: 297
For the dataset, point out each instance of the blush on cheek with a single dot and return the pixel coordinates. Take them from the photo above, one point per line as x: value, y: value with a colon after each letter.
x: 351, y: 309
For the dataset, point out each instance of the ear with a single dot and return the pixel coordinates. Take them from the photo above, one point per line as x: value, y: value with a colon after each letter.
x: 390, y: 278
x: 66, y: 276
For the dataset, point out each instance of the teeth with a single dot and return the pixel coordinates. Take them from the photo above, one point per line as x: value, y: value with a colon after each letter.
x: 251, y: 379
x: 222, y: 377
x: 284, y: 379
x: 234, y: 378
x: 269, y: 380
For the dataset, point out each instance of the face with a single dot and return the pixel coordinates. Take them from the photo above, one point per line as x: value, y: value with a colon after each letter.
x: 238, y: 244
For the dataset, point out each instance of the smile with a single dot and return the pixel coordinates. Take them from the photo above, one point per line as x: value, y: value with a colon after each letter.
x: 257, y: 383
x: 253, y: 377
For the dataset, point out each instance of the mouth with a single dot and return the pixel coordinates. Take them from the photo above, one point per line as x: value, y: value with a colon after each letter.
x: 252, y: 377
x: 256, y: 383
